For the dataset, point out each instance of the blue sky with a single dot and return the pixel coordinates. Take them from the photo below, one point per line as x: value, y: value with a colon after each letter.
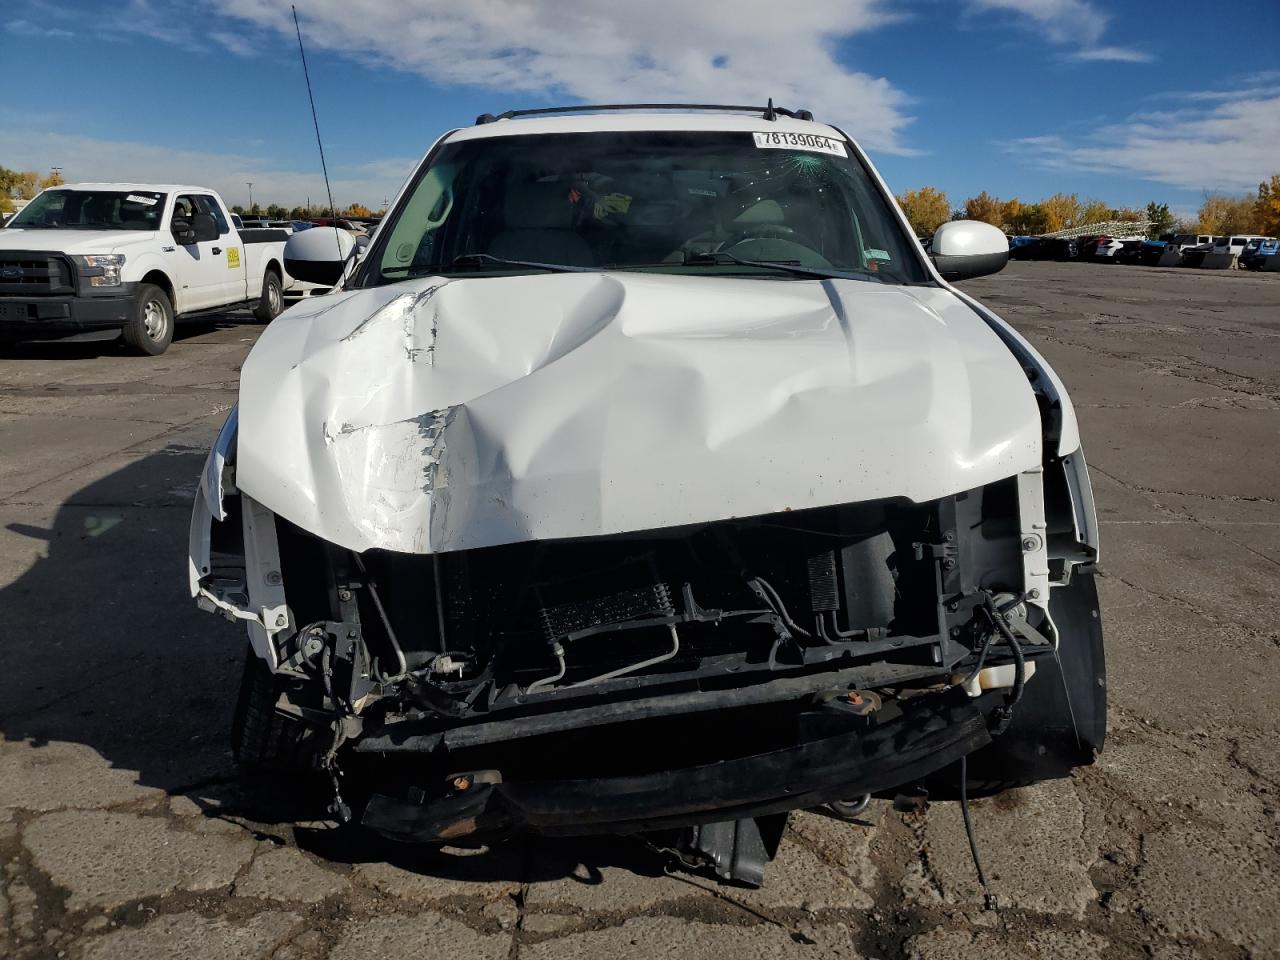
x: 1125, y: 101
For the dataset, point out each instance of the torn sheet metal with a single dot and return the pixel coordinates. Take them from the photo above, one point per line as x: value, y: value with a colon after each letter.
x: 439, y: 415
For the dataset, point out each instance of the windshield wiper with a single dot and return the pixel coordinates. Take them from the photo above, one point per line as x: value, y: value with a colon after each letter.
x: 787, y: 266
x: 482, y: 259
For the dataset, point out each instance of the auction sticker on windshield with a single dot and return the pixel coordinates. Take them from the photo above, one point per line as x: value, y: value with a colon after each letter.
x: 782, y: 140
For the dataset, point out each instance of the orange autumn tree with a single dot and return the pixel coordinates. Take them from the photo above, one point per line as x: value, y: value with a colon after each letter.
x: 927, y: 209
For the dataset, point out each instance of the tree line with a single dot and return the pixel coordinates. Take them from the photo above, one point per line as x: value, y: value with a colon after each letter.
x: 23, y: 185
x: 274, y: 211
x: 928, y: 208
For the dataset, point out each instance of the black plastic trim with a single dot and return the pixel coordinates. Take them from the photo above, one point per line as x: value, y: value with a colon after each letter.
x: 969, y: 266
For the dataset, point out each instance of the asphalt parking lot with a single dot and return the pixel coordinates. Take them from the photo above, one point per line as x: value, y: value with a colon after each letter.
x: 124, y: 831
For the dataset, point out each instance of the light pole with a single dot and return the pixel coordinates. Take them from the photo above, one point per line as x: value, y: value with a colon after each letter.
x: 249, y: 183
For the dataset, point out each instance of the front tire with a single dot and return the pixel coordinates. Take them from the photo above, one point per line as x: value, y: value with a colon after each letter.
x: 263, y: 739
x: 150, y: 329
x: 271, y: 303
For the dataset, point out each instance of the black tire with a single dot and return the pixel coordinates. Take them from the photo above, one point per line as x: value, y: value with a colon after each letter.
x: 264, y: 740
x: 271, y: 303
x: 1043, y: 742
x: 150, y: 328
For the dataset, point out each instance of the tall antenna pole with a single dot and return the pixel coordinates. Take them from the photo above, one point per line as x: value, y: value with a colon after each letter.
x: 333, y: 211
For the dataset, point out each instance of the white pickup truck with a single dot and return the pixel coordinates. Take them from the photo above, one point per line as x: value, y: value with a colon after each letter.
x: 131, y: 257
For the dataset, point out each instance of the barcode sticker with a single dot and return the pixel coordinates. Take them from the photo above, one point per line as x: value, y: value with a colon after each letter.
x: 782, y: 140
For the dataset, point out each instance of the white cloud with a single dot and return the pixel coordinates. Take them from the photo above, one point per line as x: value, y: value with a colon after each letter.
x: 605, y: 51
x: 1119, y: 54
x: 1229, y: 144
x: 25, y: 28
x: 1068, y: 23
x: 88, y: 158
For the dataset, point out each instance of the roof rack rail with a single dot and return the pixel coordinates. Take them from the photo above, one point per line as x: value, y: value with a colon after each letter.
x: 769, y: 112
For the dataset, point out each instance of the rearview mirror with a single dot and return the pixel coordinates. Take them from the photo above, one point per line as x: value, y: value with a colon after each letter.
x: 963, y: 249
x: 317, y: 256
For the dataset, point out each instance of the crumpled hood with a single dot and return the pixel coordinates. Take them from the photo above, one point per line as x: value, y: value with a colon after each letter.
x: 73, y: 241
x: 438, y: 415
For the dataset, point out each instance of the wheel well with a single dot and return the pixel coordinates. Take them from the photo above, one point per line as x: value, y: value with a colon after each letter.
x: 163, y: 282
x: 273, y: 266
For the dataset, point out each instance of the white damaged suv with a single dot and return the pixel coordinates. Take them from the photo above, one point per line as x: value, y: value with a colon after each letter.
x: 643, y: 474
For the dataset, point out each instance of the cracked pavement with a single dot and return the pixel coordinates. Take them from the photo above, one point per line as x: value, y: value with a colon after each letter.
x: 125, y: 832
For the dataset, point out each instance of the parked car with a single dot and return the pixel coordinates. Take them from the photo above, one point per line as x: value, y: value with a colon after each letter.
x: 1146, y: 252
x: 133, y: 257
x: 1256, y: 252
x: 618, y: 488
x: 1235, y: 245
x: 1045, y: 248
x: 1102, y: 247
x: 301, y: 225
x: 1185, y: 241
x: 355, y: 229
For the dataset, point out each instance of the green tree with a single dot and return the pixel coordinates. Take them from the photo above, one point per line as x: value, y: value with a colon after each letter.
x: 276, y: 212
x: 298, y: 213
x: 238, y: 210
x: 1162, y: 221
x: 926, y: 209
x: 1022, y: 219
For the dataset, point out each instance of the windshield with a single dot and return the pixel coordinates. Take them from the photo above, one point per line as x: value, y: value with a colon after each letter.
x: 664, y: 201
x: 93, y: 210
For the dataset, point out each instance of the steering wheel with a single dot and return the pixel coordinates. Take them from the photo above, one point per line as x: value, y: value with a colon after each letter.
x: 759, y: 231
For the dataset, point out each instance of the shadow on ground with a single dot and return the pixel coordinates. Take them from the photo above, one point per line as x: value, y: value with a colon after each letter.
x: 104, y: 647
x: 109, y: 344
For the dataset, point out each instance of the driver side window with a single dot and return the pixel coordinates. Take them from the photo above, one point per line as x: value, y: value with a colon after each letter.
x: 184, y: 208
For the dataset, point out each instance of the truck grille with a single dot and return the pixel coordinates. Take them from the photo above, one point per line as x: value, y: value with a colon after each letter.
x: 35, y: 274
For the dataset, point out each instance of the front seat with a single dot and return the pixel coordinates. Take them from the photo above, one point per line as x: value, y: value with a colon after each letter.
x: 540, y: 227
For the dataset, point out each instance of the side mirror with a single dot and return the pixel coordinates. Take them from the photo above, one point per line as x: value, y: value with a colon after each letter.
x: 963, y: 249
x: 205, y: 227
x: 317, y: 256
x: 183, y: 232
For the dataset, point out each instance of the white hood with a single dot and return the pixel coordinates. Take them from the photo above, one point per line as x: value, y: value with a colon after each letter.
x: 72, y: 241
x: 439, y: 415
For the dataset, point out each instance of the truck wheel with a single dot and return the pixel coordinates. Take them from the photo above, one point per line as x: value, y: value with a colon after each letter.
x: 271, y: 303
x: 1061, y: 722
x: 265, y: 741
x: 150, y: 329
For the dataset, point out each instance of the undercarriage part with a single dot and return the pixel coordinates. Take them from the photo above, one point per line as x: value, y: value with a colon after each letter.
x: 737, y: 850
x: 579, y: 786
x: 849, y: 809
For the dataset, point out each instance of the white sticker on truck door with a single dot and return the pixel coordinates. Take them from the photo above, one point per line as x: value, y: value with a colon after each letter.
x: 783, y: 140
